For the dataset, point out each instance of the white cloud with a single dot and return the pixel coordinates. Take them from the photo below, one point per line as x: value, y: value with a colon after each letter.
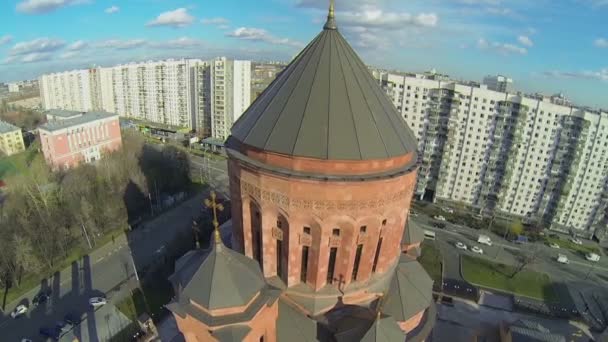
x: 177, y: 18
x: 69, y: 54
x: 601, y: 74
x: 257, y: 34
x: 375, y: 17
x: 5, y: 39
x: 36, y: 57
x: 112, y: 9
x: 77, y: 45
x: 45, y: 6
x: 601, y: 43
x: 121, y: 44
x: 37, y: 45
x: 182, y: 42
x: 525, y: 41
x: 502, y: 48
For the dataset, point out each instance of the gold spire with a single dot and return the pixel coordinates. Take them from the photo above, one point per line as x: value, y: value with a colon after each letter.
x: 330, y: 24
x: 213, y: 205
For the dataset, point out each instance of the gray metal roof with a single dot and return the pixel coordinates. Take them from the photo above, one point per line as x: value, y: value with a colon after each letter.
x: 232, y: 333
x: 6, y: 127
x: 530, y: 331
x: 294, y: 326
x: 384, y: 329
x: 412, y: 233
x: 326, y: 105
x: 63, y: 113
x: 410, y: 291
x: 80, y: 120
x: 224, y: 279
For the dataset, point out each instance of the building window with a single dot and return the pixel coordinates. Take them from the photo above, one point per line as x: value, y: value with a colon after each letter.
x: 384, y: 222
x: 335, y: 232
x: 357, y: 261
x: 304, y: 266
x: 362, y: 229
x: 331, y: 267
x: 377, y: 255
x: 280, y: 259
x: 307, y: 230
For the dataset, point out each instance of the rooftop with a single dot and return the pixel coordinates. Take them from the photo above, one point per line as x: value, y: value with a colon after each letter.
x: 6, y: 127
x: 80, y: 120
x: 66, y: 114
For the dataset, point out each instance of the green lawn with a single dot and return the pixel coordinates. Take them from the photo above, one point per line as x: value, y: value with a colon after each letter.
x: 498, y: 276
x: 17, y: 163
x: 572, y: 246
x: 431, y: 260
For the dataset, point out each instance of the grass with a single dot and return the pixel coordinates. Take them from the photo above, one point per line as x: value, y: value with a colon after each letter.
x: 432, y: 261
x: 571, y: 245
x: 17, y: 163
x: 498, y: 276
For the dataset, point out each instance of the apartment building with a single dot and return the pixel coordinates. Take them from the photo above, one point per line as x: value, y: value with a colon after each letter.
x: 203, y: 96
x: 503, y: 153
x: 70, y: 90
x: 499, y: 83
x: 81, y: 137
x: 11, y: 139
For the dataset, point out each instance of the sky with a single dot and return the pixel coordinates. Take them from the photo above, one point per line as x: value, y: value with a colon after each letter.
x: 547, y: 46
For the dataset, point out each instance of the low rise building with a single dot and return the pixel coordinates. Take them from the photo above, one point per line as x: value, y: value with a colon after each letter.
x: 11, y: 139
x: 60, y: 114
x: 82, y: 138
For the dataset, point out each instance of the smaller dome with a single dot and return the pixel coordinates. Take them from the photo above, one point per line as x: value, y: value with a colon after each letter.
x: 222, y: 279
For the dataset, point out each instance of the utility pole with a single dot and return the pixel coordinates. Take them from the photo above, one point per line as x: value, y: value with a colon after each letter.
x: 86, y: 235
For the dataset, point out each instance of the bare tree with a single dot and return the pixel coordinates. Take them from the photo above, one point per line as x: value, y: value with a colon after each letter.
x: 525, y: 260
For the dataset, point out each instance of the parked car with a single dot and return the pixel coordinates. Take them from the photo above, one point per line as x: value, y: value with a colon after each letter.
x: 484, y: 239
x: 477, y: 250
x: 19, y: 311
x: 97, y: 301
x: 448, y: 210
x: 562, y: 259
x: 439, y: 218
x: 592, y: 257
x: 439, y: 225
x: 554, y: 245
x: 41, y: 297
x: 461, y: 245
x: 576, y: 241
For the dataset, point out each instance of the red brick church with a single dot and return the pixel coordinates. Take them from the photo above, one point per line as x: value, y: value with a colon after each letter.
x: 322, y: 170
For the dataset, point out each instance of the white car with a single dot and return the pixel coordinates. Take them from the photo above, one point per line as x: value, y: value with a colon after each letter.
x: 461, y: 245
x: 554, y: 245
x: 477, y: 250
x: 592, y: 257
x: 19, y: 310
x: 97, y: 301
x: 439, y: 218
x: 562, y: 259
x: 448, y: 210
x: 576, y: 241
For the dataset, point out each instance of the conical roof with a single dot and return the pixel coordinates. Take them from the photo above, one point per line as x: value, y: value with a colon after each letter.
x: 326, y: 105
x: 384, y: 329
x: 224, y: 279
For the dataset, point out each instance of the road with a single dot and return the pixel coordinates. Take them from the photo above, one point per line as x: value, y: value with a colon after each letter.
x: 108, y: 270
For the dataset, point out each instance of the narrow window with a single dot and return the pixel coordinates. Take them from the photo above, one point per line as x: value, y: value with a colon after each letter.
x: 335, y: 232
x: 363, y: 229
x: 384, y: 222
x: 279, y: 259
x: 307, y: 230
x: 304, y: 266
x: 377, y: 255
x: 262, y: 338
x: 357, y: 261
x: 332, y: 265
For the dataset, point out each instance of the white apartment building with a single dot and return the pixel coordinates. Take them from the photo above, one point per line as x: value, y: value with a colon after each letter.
x: 230, y: 94
x: 504, y: 153
x: 203, y: 96
x: 70, y: 90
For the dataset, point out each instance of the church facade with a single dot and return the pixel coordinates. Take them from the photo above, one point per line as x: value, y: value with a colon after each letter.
x: 322, y: 170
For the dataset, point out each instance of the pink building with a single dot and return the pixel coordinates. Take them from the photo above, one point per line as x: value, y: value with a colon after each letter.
x: 84, y: 137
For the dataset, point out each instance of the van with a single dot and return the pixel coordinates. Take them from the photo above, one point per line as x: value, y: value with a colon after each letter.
x: 562, y: 259
x: 592, y: 257
x: 429, y: 235
x: 484, y: 239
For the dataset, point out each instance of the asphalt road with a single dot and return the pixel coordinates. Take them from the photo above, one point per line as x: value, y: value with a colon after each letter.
x: 108, y: 270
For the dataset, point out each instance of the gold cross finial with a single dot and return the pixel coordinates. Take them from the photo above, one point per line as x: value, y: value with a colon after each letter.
x: 213, y: 205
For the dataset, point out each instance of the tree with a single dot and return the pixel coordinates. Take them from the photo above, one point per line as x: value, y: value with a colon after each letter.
x: 25, y: 258
x: 517, y: 228
x: 524, y: 260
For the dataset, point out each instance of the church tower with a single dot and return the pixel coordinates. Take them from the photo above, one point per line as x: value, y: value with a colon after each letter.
x: 322, y: 170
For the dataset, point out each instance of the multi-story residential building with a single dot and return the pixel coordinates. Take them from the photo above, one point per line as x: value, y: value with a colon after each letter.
x: 11, y: 140
x: 84, y: 137
x: 183, y: 93
x: 230, y: 94
x: 503, y: 153
x: 13, y: 87
x: 499, y: 83
x: 70, y: 90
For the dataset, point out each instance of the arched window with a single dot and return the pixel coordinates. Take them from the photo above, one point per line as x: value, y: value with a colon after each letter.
x: 331, y: 267
x: 256, y: 233
x: 304, y: 259
x: 357, y: 262
x: 283, y: 227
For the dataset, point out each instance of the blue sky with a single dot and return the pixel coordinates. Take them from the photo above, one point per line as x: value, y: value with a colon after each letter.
x: 547, y: 46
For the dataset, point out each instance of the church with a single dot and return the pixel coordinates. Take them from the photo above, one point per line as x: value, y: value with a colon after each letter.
x: 322, y: 170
